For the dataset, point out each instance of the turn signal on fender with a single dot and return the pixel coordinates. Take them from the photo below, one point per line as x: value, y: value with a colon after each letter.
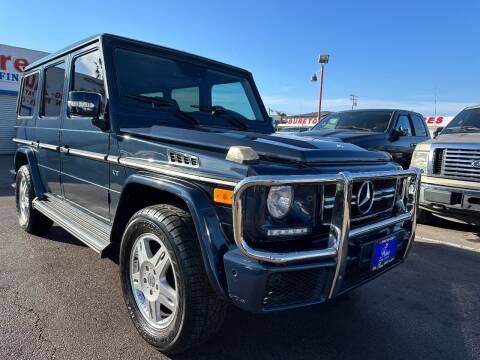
x: 223, y: 196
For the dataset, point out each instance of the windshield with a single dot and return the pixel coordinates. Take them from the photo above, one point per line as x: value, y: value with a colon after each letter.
x: 177, y: 92
x: 466, y: 121
x: 356, y: 120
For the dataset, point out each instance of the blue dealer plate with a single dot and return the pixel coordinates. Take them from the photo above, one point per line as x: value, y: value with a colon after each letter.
x: 384, y: 253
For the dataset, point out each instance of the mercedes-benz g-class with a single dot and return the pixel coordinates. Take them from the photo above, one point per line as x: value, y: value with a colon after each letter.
x: 451, y: 163
x: 166, y: 159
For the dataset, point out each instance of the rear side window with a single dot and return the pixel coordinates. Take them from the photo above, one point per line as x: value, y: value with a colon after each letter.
x: 29, y: 95
x: 53, y: 90
x: 88, y: 73
x: 419, y: 125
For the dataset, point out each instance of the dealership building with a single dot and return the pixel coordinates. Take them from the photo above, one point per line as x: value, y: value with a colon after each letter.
x: 12, y: 62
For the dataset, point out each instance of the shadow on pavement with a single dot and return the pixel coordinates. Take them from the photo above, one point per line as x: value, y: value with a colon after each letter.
x: 6, y: 178
x: 424, y: 309
x: 58, y: 234
x: 444, y: 223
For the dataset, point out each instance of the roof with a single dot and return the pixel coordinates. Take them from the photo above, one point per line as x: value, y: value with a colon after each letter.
x: 63, y: 51
x: 310, y: 114
x: 99, y: 37
x: 359, y: 110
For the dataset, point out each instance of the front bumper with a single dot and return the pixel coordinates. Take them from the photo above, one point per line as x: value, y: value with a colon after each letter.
x: 261, y: 281
x: 460, y: 203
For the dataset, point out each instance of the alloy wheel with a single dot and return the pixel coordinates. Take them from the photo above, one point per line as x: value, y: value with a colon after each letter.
x: 153, y: 280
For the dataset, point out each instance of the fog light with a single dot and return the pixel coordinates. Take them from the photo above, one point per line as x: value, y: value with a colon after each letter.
x: 288, y: 232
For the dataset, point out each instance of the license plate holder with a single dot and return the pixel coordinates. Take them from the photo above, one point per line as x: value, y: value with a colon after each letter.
x: 384, y: 252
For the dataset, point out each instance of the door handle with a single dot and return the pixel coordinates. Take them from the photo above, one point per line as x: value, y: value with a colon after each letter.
x: 413, y: 144
x: 64, y: 149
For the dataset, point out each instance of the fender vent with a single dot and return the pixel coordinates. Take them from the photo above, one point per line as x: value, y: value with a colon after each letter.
x: 178, y: 158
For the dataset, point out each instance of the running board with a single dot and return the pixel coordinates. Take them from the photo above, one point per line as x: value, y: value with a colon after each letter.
x: 93, y: 232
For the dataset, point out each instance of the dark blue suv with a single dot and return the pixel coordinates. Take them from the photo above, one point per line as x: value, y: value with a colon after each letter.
x: 167, y: 160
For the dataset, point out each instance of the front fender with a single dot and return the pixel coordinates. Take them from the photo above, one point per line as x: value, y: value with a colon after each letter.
x: 25, y: 152
x: 213, y: 242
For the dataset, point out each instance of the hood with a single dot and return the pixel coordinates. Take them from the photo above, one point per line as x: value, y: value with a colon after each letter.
x: 465, y: 138
x: 269, y: 147
x: 342, y: 134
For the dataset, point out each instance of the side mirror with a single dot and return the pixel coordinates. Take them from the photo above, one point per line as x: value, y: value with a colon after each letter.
x: 399, y: 132
x: 84, y: 103
x: 437, y: 131
x: 87, y: 104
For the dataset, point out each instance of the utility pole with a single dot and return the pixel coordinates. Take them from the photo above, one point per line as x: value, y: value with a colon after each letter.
x: 322, y: 59
x: 354, y: 99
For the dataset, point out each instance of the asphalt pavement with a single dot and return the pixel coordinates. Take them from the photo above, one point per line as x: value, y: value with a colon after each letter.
x: 59, y: 300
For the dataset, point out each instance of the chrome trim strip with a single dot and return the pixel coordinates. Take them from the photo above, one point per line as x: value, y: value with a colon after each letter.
x: 22, y: 141
x: 137, y: 163
x: 87, y: 154
x: 340, y: 229
x: 414, y: 212
x: 154, y: 166
x: 379, y: 225
x: 112, y: 159
x: 49, y: 146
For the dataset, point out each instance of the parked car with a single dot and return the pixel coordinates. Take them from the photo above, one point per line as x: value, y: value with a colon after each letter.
x: 394, y: 131
x: 166, y: 159
x: 451, y: 164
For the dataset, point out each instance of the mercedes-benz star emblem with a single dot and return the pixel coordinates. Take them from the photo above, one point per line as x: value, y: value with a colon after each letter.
x: 365, y: 197
x: 476, y: 164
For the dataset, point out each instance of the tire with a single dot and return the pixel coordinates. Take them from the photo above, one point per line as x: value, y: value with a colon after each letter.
x: 424, y: 217
x: 190, y: 314
x: 30, y: 220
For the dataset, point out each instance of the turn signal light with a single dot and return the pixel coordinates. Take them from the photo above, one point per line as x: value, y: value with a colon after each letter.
x: 223, y: 196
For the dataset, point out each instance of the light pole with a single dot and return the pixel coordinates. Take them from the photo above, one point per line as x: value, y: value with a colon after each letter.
x: 322, y: 59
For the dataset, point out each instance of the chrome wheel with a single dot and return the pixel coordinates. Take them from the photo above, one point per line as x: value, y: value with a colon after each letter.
x: 153, y: 282
x: 23, y: 200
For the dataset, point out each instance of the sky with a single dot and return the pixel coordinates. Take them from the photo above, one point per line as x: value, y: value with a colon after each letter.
x: 389, y: 53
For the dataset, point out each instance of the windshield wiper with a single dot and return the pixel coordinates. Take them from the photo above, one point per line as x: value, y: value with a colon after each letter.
x: 162, y: 103
x: 227, y: 114
x: 464, y: 127
x: 354, y: 128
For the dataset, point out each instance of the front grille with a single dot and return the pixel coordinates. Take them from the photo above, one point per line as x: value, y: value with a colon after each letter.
x: 457, y: 163
x: 383, y: 204
x: 438, y: 161
x: 295, y: 287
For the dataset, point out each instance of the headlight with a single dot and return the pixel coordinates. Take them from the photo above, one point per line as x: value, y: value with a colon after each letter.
x: 279, y: 201
x: 420, y: 156
x: 420, y: 160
